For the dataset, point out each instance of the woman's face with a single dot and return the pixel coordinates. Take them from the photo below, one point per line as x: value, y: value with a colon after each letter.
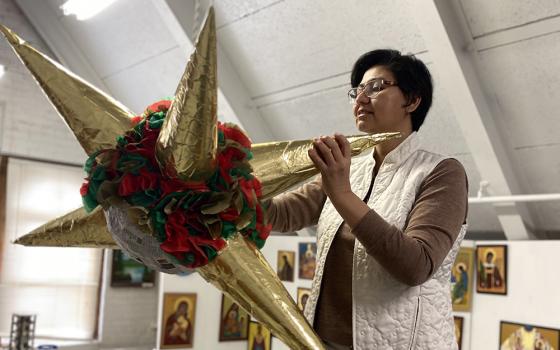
x: 385, y: 112
x: 183, y: 308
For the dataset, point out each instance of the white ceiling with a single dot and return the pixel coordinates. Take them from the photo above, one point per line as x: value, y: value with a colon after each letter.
x: 285, y: 71
x: 486, y: 17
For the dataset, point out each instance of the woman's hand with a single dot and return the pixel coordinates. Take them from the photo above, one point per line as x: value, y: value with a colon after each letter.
x: 332, y: 156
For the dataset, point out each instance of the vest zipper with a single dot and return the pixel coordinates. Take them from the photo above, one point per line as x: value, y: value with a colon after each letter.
x: 365, y: 200
x: 415, y: 325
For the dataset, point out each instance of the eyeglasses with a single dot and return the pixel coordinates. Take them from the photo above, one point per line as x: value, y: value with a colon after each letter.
x: 371, y: 88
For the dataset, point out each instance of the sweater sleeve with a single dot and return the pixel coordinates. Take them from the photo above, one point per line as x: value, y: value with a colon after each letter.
x: 439, y: 211
x: 297, y: 209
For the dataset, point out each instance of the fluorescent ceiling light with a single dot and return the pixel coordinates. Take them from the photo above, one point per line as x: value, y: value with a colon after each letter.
x: 2, y: 70
x: 84, y: 9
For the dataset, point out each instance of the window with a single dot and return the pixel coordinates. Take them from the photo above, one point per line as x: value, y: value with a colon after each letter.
x: 59, y: 285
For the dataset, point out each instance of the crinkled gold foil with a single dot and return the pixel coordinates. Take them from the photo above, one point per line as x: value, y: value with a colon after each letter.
x: 241, y: 272
x: 282, y: 165
x: 187, y: 143
x: 75, y: 229
x: 360, y: 143
x: 94, y: 117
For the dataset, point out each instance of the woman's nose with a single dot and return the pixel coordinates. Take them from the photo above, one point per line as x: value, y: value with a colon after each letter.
x: 362, y: 98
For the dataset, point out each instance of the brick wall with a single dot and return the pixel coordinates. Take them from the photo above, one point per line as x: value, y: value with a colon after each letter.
x: 128, y: 314
x: 29, y: 125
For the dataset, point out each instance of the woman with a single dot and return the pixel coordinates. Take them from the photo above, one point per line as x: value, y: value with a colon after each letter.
x: 232, y: 322
x: 259, y: 340
x: 286, y: 273
x: 178, y: 328
x: 389, y: 223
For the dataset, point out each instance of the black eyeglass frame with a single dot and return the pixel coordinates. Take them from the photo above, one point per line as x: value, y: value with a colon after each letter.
x: 370, y: 89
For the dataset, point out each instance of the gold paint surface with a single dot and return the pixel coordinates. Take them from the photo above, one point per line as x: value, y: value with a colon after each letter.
x: 282, y: 165
x: 242, y: 273
x: 96, y: 119
x: 75, y: 229
x: 187, y: 143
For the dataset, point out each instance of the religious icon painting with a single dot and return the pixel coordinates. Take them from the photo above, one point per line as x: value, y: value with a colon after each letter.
x: 307, y: 254
x: 462, y: 280
x: 302, y: 297
x: 285, y: 265
x: 491, y: 262
x: 259, y: 337
x: 516, y: 336
x: 177, y: 330
x: 234, y: 321
x: 458, y: 330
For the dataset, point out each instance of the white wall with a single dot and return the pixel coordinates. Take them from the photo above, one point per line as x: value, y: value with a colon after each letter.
x: 532, y: 293
x: 207, y: 318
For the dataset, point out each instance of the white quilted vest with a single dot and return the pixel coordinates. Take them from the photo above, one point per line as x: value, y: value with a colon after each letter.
x: 388, y: 314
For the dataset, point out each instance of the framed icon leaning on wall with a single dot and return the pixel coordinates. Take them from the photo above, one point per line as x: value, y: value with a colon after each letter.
x: 458, y: 330
x: 259, y: 337
x: 285, y: 264
x: 234, y: 321
x: 491, y: 262
x: 514, y: 336
x: 177, y: 329
x: 302, y: 297
x: 307, y: 255
x: 462, y: 276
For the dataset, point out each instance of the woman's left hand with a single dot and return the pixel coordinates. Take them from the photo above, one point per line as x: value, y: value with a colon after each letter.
x: 332, y: 156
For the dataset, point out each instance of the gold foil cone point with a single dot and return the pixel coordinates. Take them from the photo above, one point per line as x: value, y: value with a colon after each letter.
x: 360, y: 143
x: 12, y: 38
x: 187, y: 143
x: 75, y: 229
x: 241, y: 272
x: 94, y: 117
x: 282, y: 165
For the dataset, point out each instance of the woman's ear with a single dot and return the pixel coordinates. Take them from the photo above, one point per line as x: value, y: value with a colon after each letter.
x: 413, y: 105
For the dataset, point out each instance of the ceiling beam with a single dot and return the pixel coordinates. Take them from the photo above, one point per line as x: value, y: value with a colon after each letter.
x: 448, y: 40
x: 516, y: 34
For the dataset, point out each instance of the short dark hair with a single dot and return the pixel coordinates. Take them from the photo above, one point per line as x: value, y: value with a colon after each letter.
x: 413, y: 77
